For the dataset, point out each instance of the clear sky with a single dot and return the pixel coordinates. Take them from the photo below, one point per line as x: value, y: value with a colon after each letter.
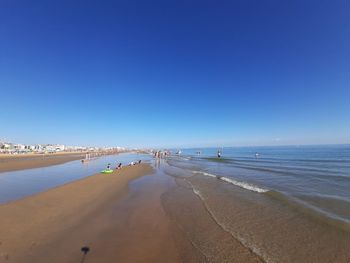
x: 175, y: 73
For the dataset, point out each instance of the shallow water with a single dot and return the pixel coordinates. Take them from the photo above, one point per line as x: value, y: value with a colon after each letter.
x: 315, y: 176
x: 289, y: 205
x: 18, y: 184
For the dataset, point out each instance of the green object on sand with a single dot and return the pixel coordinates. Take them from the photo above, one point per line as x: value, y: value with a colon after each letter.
x: 107, y: 171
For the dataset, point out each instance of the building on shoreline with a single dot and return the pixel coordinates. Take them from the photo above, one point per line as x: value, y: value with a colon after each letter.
x: 12, y: 148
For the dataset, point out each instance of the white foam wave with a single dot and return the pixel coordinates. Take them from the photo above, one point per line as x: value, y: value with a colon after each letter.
x: 197, y: 192
x: 243, y: 241
x: 244, y: 185
x: 206, y: 174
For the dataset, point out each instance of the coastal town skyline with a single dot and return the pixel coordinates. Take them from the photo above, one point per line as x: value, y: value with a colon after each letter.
x: 7, y: 146
x: 19, y: 148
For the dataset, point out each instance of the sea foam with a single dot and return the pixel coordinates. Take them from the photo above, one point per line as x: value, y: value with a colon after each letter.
x: 244, y: 185
x: 242, y: 240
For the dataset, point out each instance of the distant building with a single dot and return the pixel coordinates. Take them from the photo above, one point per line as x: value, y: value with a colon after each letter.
x: 19, y: 147
x: 30, y: 147
x: 38, y: 148
x: 60, y: 148
x: 49, y: 148
x: 7, y: 146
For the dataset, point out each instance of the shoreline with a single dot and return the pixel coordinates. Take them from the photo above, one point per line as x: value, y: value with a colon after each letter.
x: 157, y: 213
x: 10, y: 162
x: 70, y: 216
x: 265, y: 223
x: 127, y: 216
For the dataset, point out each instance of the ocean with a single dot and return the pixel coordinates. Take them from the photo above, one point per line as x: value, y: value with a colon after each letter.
x: 286, y: 204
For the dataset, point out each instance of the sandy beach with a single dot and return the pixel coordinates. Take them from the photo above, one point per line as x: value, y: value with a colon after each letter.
x: 129, y: 216
x: 54, y: 225
x: 10, y: 162
x: 156, y: 212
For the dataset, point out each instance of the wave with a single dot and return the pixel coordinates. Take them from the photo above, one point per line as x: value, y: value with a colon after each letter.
x: 293, y: 202
x: 250, y: 246
x: 244, y: 185
x: 252, y: 158
x: 295, y: 171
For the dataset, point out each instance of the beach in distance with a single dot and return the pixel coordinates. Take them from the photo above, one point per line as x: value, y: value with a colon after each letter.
x: 12, y: 162
x: 25, y: 161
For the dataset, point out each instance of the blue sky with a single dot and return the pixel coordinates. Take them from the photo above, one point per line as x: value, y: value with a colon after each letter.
x: 175, y: 73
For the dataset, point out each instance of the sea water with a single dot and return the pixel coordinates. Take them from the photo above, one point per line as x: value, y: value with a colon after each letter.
x: 19, y: 184
x: 316, y: 176
x: 286, y: 204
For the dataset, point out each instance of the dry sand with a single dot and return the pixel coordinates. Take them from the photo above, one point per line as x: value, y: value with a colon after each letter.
x: 26, y: 161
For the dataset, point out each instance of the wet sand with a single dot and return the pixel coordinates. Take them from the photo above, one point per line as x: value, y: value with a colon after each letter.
x: 274, y: 231
x: 228, y: 223
x: 193, y: 219
x: 27, y: 161
x: 137, y: 214
x: 54, y: 225
x: 142, y: 231
x: 119, y: 217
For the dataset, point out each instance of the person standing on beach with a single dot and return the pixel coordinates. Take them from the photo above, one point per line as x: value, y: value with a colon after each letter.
x: 219, y: 154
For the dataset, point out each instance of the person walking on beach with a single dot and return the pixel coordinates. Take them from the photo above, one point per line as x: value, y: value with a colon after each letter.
x: 219, y: 154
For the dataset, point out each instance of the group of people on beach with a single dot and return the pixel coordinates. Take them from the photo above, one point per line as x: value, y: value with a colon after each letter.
x: 120, y: 165
x: 161, y: 154
x: 164, y: 154
x: 134, y: 163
